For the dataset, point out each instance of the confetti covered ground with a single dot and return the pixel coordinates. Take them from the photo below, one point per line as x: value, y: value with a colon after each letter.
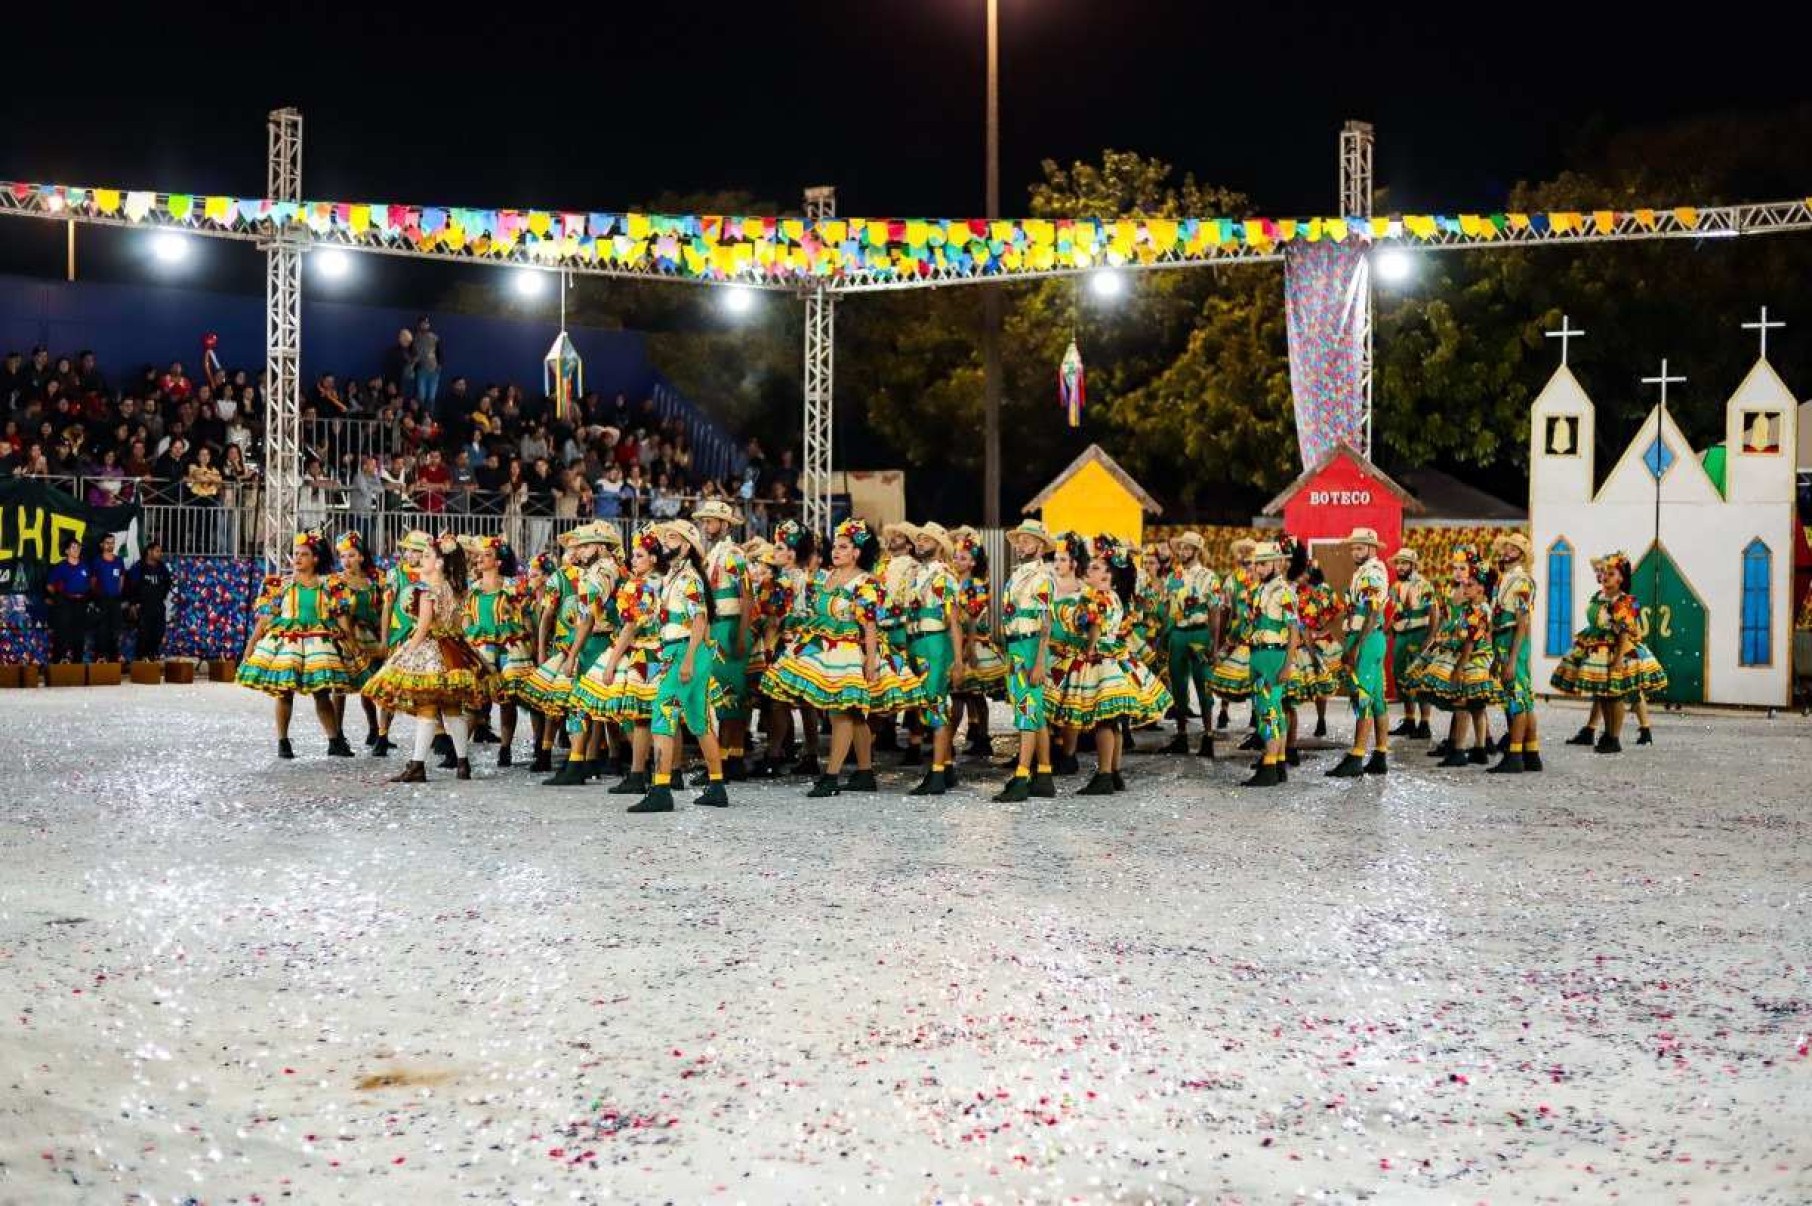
x: 230, y: 980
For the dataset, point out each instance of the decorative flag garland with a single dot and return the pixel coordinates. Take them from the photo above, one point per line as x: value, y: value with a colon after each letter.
x: 779, y: 250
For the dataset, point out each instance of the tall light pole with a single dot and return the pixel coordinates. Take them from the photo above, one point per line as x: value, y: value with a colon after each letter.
x: 991, y: 294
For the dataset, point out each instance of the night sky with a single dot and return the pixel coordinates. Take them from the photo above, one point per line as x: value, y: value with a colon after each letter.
x: 607, y: 106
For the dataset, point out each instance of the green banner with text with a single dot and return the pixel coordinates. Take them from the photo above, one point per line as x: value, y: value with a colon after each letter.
x: 37, y: 519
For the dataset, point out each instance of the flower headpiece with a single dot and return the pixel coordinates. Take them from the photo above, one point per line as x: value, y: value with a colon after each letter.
x: 545, y: 564
x: 1620, y: 560
x: 1112, y: 550
x: 789, y: 532
x: 349, y: 541
x: 647, y: 539
x: 1074, y: 544
x: 446, y: 542
x: 311, y: 536
x: 1468, y: 559
x: 856, y: 531
x: 487, y: 544
x: 968, y: 543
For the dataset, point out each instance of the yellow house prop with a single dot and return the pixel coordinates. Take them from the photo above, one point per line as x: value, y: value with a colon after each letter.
x: 1095, y: 496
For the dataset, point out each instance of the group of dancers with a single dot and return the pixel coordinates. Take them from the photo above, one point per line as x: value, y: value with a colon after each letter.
x: 885, y: 640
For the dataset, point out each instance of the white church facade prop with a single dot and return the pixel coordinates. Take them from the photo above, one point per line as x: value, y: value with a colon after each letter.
x: 1714, y: 559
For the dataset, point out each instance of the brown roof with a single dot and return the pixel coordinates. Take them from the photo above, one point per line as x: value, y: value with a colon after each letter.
x: 1410, y: 505
x: 1095, y: 453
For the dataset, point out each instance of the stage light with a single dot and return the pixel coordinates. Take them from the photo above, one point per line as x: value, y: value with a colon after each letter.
x: 169, y: 247
x: 333, y: 264
x: 1106, y: 284
x: 1393, y: 265
x: 529, y: 282
x: 738, y: 300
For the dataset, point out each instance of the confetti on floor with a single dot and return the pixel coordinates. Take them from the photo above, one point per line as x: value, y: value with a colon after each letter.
x: 225, y: 979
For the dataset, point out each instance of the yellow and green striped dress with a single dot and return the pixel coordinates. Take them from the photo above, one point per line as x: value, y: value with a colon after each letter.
x: 824, y: 670
x: 628, y: 696
x: 302, y: 651
x: 1083, y: 689
x: 498, y: 629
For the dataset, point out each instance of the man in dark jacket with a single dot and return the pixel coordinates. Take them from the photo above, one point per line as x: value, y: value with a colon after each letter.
x: 152, y: 583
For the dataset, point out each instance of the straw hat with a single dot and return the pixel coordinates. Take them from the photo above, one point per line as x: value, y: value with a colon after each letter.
x: 1191, y: 540
x: 1242, y: 548
x: 1516, y: 541
x: 908, y: 530
x: 682, y: 531
x: 716, y: 508
x: 414, y: 541
x: 1269, y: 550
x: 938, y: 535
x: 593, y: 533
x: 1407, y: 554
x: 965, y: 532
x: 1036, y: 530
x: 1364, y: 536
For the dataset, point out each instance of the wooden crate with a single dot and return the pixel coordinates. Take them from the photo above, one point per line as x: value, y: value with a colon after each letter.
x: 12, y: 674
x: 67, y: 674
x: 222, y: 669
x: 179, y: 672
x: 147, y: 674
x: 103, y: 674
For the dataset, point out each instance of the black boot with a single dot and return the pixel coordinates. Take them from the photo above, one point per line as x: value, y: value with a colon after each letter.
x: 443, y: 743
x: 807, y: 765
x: 1423, y: 732
x: 1292, y: 757
x: 1178, y: 744
x: 1283, y: 771
x: 769, y: 768
x: 635, y: 783
x: 1017, y: 791
x: 1321, y: 726
x: 714, y: 796
x: 486, y: 736
x: 1532, y: 761
x: 658, y: 799
x: 914, y: 756
x: 462, y: 769
x: 1455, y: 758
x: 887, y: 740
x: 382, y: 746
x: 1478, y: 755
x: 1582, y: 737
x: 1119, y: 781
x: 1066, y: 764
x: 1043, y: 786
x: 934, y: 783
x: 1098, y: 785
x: 371, y: 737
x: 284, y: 748
x: 1511, y: 764
x: 1500, y: 746
x: 1608, y: 744
x: 1221, y: 721
x: 447, y: 761
x: 504, y: 757
x: 1644, y: 737
x: 736, y: 770
x: 979, y: 746
x: 1251, y: 742
x: 825, y: 785
x: 861, y: 780
x: 1206, y: 748
x: 1378, y: 763
x: 338, y: 747
x: 1441, y: 748
x: 1264, y: 776
x: 543, y: 763
x: 415, y: 772
x: 1350, y: 766
x: 950, y: 776
x: 1405, y: 728
x: 570, y: 774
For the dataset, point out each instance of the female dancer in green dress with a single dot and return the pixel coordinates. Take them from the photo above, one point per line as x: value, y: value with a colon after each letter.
x: 303, y: 643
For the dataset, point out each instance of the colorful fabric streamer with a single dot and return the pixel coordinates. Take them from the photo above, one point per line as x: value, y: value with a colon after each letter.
x: 1323, y: 289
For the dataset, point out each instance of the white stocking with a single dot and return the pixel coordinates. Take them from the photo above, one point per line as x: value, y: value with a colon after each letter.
x: 424, y: 738
x: 456, y: 729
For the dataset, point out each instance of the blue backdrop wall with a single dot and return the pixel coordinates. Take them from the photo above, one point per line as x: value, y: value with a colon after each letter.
x: 129, y: 326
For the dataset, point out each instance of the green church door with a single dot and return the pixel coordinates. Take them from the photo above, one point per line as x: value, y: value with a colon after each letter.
x: 1673, y: 624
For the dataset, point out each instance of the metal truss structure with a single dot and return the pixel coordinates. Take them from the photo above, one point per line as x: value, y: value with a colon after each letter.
x: 820, y: 380
x: 282, y: 346
x: 1356, y: 199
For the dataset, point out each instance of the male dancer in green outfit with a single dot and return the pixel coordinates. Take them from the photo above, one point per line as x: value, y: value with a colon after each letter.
x: 727, y: 576
x: 1511, y: 609
x: 1026, y: 626
x: 1364, y: 661
x: 1276, y: 629
x: 1191, y: 591
x: 1416, y: 617
x: 937, y: 647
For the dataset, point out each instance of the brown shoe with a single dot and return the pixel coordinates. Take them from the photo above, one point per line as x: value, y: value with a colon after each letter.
x: 464, y: 770
x: 415, y: 772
